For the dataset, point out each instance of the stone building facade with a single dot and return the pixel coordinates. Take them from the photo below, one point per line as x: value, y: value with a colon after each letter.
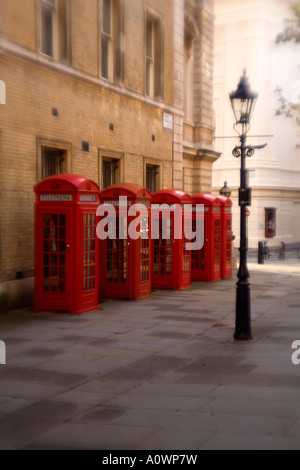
x: 115, y: 90
x: 245, y: 37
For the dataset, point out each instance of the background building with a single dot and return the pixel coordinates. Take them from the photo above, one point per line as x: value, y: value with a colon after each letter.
x: 245, y: 37
x: 115, y: 90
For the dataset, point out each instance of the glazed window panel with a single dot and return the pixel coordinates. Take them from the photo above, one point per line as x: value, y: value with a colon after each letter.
x: 54, y: 157
x: 106, y: 17
x: 55, y: 29
x: 53, y: 161
x: 152, y: 177
x: 153, y: 56
x: 144, y: 260
x: 47, y: 13
x: 54, y: 260
x: 217, y: 243
x: 117, y: 256
x: 89, y: 252
x: 198, y: 256
x: 163, y: 247
x: 110, y: 171
x: 186, y: 253
x: 228, y: 242
x: 111, y: 32
x: 149, y: 58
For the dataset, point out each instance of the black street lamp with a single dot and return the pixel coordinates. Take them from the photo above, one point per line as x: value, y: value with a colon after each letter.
x: 243, y: 102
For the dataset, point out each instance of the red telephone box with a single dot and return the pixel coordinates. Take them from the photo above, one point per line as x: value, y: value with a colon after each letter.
x: 171, y: 260
x: 66, y: 246
x: 206, y: 263
x: 125, y: 257
x: 226, y: 237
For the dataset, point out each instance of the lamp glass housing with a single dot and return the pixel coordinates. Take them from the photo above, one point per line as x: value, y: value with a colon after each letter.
x: 243, y: 101
x: 225, y: 191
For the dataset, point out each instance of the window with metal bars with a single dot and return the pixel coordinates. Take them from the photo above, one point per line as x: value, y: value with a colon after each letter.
x: 53, y: 161
x: 152, y: 178
x: 110, y: 172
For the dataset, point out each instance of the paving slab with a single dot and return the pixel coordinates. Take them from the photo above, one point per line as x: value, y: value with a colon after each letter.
x: 162, y: 373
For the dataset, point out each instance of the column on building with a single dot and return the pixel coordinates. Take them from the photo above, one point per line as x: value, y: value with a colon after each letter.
x: 198, y: 122
x: 178, y: 40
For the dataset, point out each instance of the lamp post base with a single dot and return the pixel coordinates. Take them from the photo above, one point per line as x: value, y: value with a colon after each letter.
x: 243, y: 313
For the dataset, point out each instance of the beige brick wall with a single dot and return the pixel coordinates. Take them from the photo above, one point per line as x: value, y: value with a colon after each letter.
x: 204, y: 45
x: 86, y: 106
x: 84, y: 21
x: 18, y: 22
x: 134, y: 45
x: 84, y: 114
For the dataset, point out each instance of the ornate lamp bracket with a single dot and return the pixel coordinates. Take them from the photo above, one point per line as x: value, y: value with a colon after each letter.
x: 249, y: 151
x: 237, y: 152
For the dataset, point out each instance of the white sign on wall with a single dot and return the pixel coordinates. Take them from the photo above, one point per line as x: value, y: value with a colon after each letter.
x: 168, y: 121
x: 2, y: 92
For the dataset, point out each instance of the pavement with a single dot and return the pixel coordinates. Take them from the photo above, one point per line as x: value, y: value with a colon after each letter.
x: 159, y: 374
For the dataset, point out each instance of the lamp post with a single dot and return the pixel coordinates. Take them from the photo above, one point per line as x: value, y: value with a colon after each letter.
x: 243, y: 102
